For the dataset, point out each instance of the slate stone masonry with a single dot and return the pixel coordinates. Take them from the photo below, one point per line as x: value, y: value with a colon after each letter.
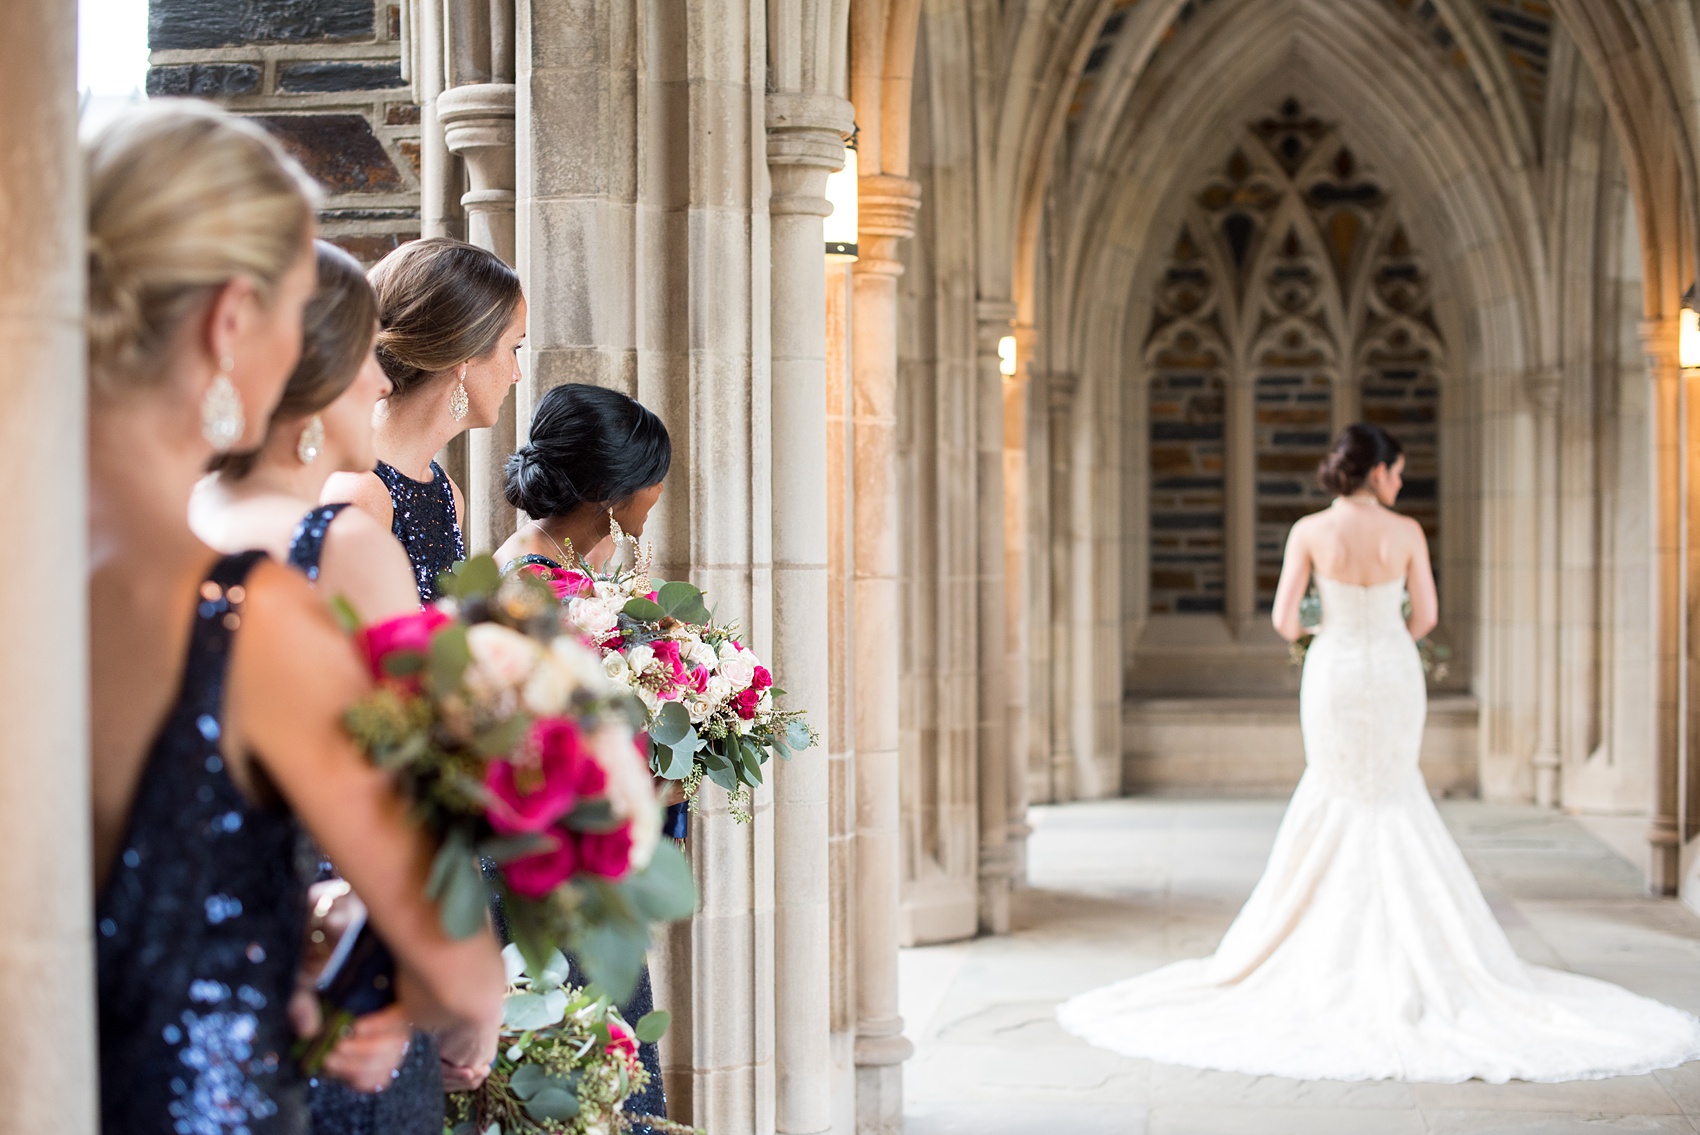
x: 325, y: 77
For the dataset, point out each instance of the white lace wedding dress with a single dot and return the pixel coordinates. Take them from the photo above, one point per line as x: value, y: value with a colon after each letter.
x: 1367, y: 951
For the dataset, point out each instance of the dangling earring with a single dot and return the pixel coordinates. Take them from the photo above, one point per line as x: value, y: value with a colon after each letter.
x: 459, y: 404
x: 312, y: 440
x: 222, y: 419
x: 615, y: 532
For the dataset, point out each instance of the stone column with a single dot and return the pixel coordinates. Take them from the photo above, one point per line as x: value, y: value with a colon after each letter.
x: 1659, y: 340
x: 439, y: 170
x: 1239, y: 470
x: 1544, y: 390
x: 996, y: 318
x: 47, y: 1038
x: 1018, y: 603
x: 478, y: 126
x: 1068, y: 772
x: 805, y: 142
x: 887, y: 212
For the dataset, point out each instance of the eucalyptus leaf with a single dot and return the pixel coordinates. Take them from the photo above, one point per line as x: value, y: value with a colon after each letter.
x: 502, y: 739
x: 610, y: 952
x: 527, y: 1012
x: 643, y: 610
x: 346, y: 616
x: 721, y: 772
x: 552, y: 1103
x: 593, y: 816
x: 665, y: 890
x: 507, y: 848
x: 671, y: 725
x: 528, y: 1080
x: 676, y: 760
x: 652, y: 1026
x: 455, y: 850
x: 797, y: 734
x: 465, y: 900
x: 403, y: 663
x: 478, y: 575
x: 449, y: 659
x: 554, y: 974
x: 682, y: 601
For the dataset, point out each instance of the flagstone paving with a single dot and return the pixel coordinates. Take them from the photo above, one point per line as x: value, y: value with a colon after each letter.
x: 1122, y: 886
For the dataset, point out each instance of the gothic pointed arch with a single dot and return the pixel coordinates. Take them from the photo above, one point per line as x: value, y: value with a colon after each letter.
x: 1294, y: 280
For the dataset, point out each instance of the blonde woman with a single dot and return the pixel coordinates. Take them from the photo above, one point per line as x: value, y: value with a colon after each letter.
x: 452, y: 320
x: 218, y: 683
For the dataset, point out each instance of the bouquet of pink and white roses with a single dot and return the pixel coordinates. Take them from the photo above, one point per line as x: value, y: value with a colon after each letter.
x: 515, y: 749
x: 710, y: 701
x: 566, y: 1064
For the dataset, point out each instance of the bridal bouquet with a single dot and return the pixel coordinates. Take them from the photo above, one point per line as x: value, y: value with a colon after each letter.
x: 709, y: 700
x: 566, y: 1063
x: 1434, y: 655
x: 515, y: 749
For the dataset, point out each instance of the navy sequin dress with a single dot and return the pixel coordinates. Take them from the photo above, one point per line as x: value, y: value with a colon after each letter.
x: 199, y: 924
x: 413, y: 1105
x: 653, y: 1099
x: 426, y: 524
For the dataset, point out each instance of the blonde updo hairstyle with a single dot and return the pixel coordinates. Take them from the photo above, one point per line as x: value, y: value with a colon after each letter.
x: 182, y: 199
x: 441, y: 303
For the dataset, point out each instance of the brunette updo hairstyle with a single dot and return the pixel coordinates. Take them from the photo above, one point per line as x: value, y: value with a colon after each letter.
x: 1359, y: 449
x: 336, y: 332
x: 588, y: 444
x: 182, y: 199
x: 440, y: 303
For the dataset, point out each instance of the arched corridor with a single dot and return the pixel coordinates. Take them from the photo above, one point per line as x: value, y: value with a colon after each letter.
x: 1120, y: 887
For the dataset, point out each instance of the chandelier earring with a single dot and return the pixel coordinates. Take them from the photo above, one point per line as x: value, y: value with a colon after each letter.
x: 459, y: 403
x: 615, y: 532
x: 312, y: 440
x: 222, y: 419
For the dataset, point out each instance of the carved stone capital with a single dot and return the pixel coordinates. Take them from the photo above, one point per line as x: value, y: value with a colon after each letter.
x: 885, y: 215
x: 1660, y: 341
x: 478, y: 124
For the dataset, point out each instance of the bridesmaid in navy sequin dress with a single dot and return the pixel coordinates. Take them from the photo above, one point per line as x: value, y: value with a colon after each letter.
x: 594, y: 457
x: 324, y: 423
x: 217, y: 685
x: 452, y: 320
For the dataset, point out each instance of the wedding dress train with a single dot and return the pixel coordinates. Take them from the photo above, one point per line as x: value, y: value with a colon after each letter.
x: 1367, y: 951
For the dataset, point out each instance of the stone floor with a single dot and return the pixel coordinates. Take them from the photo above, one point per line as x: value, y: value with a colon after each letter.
x: 1119, y: 887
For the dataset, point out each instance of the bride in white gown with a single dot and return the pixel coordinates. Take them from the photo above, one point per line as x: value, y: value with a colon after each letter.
x: 1367, y: 951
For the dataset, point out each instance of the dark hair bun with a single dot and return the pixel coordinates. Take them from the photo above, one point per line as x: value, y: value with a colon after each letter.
x: 1358, y: 450
x: 589, y: 445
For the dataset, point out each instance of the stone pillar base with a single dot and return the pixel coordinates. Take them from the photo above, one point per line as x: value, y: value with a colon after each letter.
x: 879, y: 1099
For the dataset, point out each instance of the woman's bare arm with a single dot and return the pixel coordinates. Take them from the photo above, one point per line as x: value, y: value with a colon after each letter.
x: 1419, y: 582
x: 290, y: 643
x: 366, y: 565
x: 1295, y: 578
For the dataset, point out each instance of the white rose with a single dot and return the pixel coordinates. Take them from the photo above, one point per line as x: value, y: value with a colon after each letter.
x: 614, y: 665
x: 631, y: 790
x: 548, y: 688
x: 764, y: 704
x: 651, y: 703
x: 609, y: 593
x: 739, y: 670
x: 582, y: 664
x: 639, y: 658
x: 702, y: 654
x: 504, y: 658
x: 592, y: 618
x: 718, y: 691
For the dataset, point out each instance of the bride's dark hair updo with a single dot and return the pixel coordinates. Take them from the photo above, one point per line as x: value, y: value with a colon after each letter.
x: 588, y: 444
x: 1359, y: 449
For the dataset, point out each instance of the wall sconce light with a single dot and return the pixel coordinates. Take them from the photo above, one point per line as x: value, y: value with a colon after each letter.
x: 1688, y: 333
x: 1006, y: 356
x: 841, y: 194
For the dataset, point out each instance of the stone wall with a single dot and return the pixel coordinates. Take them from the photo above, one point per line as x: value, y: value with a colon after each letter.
x: 324, y: 76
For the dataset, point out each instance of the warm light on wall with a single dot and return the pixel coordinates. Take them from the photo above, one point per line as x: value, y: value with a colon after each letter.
x: 1688, y: 337
x: 841, y: 225
x: 1006, y: 355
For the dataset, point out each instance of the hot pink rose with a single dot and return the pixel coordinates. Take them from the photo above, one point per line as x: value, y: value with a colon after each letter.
x: 622, y: 1042
x: 569, y: 584
x: 608, y: 854
x: 556, y: 771
x: 668, y: 652
x: 698, y: 679
x: 404, y: 633
x: 534, y: 876
x: 745, y: 703
x: 763, y: 678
